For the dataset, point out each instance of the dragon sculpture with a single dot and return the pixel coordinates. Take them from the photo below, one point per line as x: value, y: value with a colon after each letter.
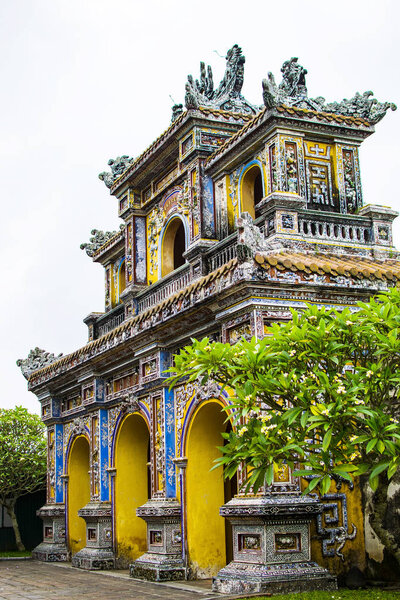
x: 118, y: 166
x: 36, y: 359
x: 292, y: 91
x: 228, y: 95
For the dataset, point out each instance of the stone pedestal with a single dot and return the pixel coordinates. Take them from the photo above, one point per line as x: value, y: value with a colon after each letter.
x: 54, y: 545
x: 163, y: 559
x: 98, y: 552
x: 271, y: 546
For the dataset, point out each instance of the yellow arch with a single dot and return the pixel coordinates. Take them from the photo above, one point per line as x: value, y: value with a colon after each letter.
x: 205, y: 491
x: 168, y: 258
x: 131, y: 486
x: 247, y: 188
x: 78, y: 492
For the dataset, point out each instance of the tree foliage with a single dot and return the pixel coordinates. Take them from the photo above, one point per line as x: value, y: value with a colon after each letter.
x: 22, y: 459
x: 319, y: 393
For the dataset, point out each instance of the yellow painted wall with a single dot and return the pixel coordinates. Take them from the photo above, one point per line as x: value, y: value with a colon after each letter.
x: 131, y: 486
x: 353, y: 550
x: 205, y: 492
x: 78, y: 492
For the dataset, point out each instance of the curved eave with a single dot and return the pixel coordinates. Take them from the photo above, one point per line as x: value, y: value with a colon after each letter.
x: 297, y: 118
x: 170, y: 136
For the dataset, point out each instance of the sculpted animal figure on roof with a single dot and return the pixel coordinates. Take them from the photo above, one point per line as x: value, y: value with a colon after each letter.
x: 227, y: 96
x: 250, y: 238
x: 118, y: 166
x: 293, y: 79
x: 98, y: 239
x: 292, y: 91
x: 36, y: 359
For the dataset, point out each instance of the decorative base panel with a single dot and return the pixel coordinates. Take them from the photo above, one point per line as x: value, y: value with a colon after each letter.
x: 157, y: 568
x: 51, y: 553
x: 238, y: 578
x: 93, y: 559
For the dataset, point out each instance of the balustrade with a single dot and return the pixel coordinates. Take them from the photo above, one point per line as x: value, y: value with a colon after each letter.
x: 163, y: 289
x: 359, y: 234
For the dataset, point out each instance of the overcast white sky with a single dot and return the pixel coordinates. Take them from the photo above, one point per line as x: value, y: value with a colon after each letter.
x: 83, y: 81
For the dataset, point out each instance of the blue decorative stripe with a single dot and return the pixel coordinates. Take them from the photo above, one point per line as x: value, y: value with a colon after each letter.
x: 170, y: 474
x: 59, y: 487
x: 104, y: 476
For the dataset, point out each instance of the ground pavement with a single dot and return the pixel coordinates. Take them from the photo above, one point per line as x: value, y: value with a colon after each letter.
x: 33, y: 580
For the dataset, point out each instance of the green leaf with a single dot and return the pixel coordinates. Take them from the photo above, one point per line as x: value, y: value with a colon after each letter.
x: 313, y: 484
x: 371, y: 445
x: 392, y: 470
x: 374, y: 482
x: 379, y: 469
x: 325, y: 484
x: 327, y: 439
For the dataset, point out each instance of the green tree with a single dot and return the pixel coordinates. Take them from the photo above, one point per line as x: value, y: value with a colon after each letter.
x: 22, y: 459
x: 320, y: 393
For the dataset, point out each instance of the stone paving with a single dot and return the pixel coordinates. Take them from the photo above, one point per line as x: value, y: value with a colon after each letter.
x: 34, y: 580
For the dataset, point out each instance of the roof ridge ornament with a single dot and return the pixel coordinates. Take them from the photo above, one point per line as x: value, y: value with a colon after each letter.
x: 228, y: 95
x: 292, y: 91
x: 98, y: 239
x: 118, y: 166
x: 250, y: 239
x: 36, y: 359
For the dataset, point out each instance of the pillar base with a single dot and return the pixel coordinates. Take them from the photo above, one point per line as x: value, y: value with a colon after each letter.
x: 271, y: 546
x: 238, y: 578
x: 54, y: 546
x: 51, y: 553
x: 98, y: 552
x: 94, y: 559
x: 154, y: 567
x: 163, y: 559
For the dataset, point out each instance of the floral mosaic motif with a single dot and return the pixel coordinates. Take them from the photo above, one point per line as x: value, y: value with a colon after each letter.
x: 285, y: 542
x: 292, y: 180
x: 273, y: 171
x: 129, y: 252
x: 208, y: 226
x: 155, y: 220
x: 79, y: 426
x: 140, y: 249
x: 184, y: 395
x: 292, y: 91
x: 249, y: 542
x: 240, y: 331
x: 349, y: 181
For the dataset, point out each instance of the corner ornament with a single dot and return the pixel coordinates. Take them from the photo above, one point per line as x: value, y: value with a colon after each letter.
x: 36, y: 359
x: 118, y: 166
x: 98, y: 239
x: 292, y: 91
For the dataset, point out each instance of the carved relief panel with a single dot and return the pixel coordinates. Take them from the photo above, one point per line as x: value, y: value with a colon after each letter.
x: 349, y: 180
x: 322, y: 191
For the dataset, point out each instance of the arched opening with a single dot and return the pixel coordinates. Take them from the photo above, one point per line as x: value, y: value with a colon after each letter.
x: 251, y: 190
x: 121, y: 279
x: 131, y: 487
x: 173, y: 246
x: 78, y: 492
x: 206, y: 492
